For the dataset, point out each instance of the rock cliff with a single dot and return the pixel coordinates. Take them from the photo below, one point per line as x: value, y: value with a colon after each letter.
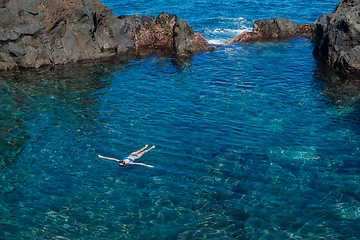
x: 338, y: 37
x: 34, y: 33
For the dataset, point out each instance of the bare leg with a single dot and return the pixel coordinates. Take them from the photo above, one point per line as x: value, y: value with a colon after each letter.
x: 142, y: 153
x: 137, y: 152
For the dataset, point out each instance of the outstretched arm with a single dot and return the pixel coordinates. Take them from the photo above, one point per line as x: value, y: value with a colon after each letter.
x: 141, y: 164
x: 108, y: 158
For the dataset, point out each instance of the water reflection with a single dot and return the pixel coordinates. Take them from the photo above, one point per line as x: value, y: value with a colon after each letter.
x: 178, y: 61
x: 340, y: 89
x: 49, y: 94
x: 234, y: 153
x: 13, y: 132
x: 343, y: 93
x: 59, y: 97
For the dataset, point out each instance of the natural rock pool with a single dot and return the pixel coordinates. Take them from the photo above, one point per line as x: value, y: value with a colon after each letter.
x: 252, y: 141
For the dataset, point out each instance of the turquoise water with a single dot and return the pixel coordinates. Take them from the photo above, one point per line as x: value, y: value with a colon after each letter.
x: 253, y: 141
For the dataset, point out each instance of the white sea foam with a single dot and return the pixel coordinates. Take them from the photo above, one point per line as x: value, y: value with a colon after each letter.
x: 226, y: 28
x: 220, y: 36
x: 217, y: 41
x: 235, y: 19
x: 234, y: 32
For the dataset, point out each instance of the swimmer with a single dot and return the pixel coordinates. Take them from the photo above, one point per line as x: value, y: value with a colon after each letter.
x: 130, y: 159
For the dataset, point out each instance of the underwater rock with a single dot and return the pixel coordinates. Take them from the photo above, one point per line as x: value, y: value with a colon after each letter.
x: 34, y: 33
x: 272, y: 29
x: 337, y: 36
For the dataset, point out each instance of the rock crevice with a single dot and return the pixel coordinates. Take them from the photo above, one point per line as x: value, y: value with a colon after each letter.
x: 338, y: 37
x: 34, y: 33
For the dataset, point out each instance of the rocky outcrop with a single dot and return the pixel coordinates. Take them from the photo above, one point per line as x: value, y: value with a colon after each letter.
x: 165, y: 31
x: 273, y: 29
x: 34, y: 33
x: 157, y: 32
x: 186, y: 41
x: 338, y: 35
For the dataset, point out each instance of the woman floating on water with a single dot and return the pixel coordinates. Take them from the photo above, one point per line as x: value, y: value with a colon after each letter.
x: 130, y: 159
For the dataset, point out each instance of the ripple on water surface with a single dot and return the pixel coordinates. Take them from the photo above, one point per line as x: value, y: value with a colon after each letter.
x: 248, y: 145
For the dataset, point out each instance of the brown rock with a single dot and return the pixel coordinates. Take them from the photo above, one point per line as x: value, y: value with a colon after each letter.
x: 34, y: 33
x: 304, y: 30
x: 272, y: 29
x: 157, y: 32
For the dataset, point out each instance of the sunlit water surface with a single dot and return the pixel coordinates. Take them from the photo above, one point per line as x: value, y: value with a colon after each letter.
x: 252, y: 141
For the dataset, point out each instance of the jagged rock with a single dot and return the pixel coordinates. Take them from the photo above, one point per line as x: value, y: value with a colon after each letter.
x: 272, y: 29
x: 157, y: 32
x: 186, y: 41
x: 39, y: 32
x: 147, y: 31
x: 338, y: 37
x: 165, y: 31
x: 305, y: 30
x: 7, y: 35
x: 34, y: 33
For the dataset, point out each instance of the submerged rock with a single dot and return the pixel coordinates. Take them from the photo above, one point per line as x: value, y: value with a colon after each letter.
x: 273, y: 29
x: 34, y: 33
x: 338, y: 37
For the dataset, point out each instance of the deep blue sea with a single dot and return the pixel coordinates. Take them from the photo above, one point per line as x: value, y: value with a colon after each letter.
x: 253, y: 141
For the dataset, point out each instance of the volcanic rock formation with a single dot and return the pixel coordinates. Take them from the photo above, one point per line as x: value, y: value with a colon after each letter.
x: 273, y: 29
x: 34, y: 33
x: 338, y: 37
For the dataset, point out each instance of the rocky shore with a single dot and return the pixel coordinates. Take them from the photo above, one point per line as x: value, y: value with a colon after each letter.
x: 34, y: 33
x: 273, y: 29
x: 338, y: 38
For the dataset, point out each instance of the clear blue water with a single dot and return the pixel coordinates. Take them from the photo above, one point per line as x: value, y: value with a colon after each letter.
x: 253, y: 141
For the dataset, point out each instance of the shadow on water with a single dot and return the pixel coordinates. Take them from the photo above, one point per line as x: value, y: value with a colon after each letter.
x: 342, y: 92
x: 28, y: 93
x: 178, y: 61
x: 23, y: 93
